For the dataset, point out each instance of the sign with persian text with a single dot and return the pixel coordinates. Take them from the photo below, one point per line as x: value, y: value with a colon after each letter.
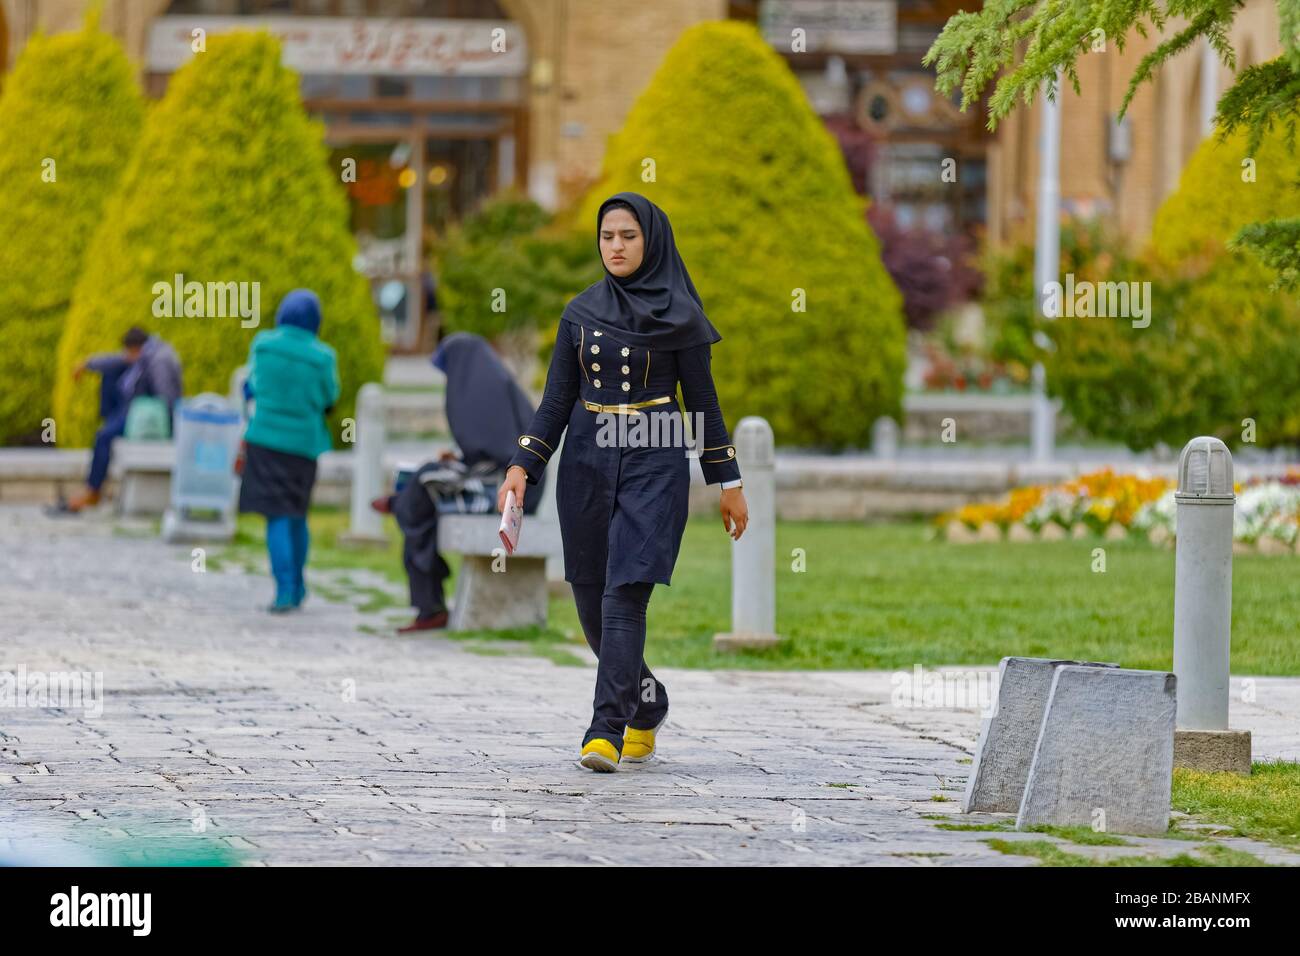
x: 831, y: 26
x: 365, y: 45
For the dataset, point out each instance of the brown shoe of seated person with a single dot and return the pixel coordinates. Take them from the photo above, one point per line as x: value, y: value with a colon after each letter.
x: 433, y: 623
x: 83, y: 500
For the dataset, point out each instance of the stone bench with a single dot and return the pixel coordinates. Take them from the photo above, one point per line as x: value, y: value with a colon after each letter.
x: 488, y: 599
x: 143, y: 470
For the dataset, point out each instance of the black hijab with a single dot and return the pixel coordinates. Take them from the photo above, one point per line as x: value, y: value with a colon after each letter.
x: 486, y: 409
x: 656, y: 307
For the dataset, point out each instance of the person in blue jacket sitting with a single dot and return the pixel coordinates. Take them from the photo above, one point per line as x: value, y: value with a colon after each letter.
x: 147, y: 366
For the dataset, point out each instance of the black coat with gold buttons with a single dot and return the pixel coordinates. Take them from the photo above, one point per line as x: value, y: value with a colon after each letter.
x: 624, y: 476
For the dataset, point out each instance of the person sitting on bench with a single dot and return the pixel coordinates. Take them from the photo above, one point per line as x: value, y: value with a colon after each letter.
x: 486, y: 410
x: 147, y: 366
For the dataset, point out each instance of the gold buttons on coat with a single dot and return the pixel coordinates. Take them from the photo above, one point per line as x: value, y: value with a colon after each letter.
x: 626, y: 369
x: 595, y: 350
x: 595, y: 366
x: 626, y: 350
x: 525, y: 440
x: 596, y: 332
x: 596, y: 382
x: 731, y: 453
x: 627, y: 386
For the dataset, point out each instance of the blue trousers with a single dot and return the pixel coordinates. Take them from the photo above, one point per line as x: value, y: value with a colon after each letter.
x: 627, y: 694
x: 100, y: 456
x: 112, y: 409
x: 287, y: 541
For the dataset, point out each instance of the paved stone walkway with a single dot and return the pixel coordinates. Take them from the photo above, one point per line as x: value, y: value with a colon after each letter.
x: 306, y: 740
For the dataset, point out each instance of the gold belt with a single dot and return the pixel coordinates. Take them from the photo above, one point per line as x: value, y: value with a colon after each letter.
x: 625, y: 408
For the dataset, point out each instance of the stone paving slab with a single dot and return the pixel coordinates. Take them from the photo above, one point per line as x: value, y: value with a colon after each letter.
x: 303, y: 740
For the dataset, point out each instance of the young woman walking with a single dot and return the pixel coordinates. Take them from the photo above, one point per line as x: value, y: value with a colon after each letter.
x: 622, y: 347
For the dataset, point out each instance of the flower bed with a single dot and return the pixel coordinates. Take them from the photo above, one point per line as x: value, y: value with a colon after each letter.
x: 1267, y: 516
x: 1094, y: 502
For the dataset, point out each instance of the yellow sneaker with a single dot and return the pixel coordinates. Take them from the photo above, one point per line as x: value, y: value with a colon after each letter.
x: 600, y: 755
x: 639, y: 745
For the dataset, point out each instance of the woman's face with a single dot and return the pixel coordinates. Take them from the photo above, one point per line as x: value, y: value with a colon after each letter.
x: 622, y: 245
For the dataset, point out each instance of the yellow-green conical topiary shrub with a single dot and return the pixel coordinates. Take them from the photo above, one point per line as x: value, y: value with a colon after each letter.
x: 70, y: 118
x: 231, y: 184
x: 764, y: 212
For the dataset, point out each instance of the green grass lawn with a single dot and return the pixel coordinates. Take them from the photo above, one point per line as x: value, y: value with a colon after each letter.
x: 885, y: 596
x: 1264, y: 806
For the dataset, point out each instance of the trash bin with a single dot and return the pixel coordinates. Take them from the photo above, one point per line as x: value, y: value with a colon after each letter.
x: 208, y: 430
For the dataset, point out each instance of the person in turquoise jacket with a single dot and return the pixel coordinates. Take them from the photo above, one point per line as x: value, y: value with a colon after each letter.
x: 293, y: 380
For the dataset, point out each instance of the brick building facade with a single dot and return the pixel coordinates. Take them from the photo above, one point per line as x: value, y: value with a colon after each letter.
x: 587, y: 60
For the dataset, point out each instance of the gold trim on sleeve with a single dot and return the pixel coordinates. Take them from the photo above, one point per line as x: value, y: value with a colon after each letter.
x: 581, y: 339
x: 534, y: 451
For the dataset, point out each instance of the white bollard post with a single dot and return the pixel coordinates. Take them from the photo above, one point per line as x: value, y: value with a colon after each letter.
x: 1203, y: 609
x: 1042, y: 424
x: 884, y: 437
x: 368, y: 464
x: 753, y: 557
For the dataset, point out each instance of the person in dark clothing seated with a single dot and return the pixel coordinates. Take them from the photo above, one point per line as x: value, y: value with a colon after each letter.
x: 486, y: 410
x: 146, y: 366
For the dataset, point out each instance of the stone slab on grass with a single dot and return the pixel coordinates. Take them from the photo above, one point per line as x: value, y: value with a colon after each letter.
x: 1105, y: 754
x: 1007, y: 739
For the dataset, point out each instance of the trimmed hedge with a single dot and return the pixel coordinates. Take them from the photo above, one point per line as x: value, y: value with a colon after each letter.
x: 231, y: 184
x: 1222, y: 346
x: 762, y: 204
x: 72, y: 99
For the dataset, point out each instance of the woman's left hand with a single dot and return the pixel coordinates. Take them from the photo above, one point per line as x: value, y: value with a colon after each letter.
x: 734, y: 512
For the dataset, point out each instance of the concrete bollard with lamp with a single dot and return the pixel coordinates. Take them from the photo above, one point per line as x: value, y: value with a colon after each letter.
x: 1206, y: 503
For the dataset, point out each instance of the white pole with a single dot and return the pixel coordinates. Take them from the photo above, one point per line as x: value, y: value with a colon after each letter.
x: 1203, y: 584
x: 753, y: 557
x: 367, y: 463
x: 1047, y: 237
x: 1047, y: 257
x: 1209, y: 88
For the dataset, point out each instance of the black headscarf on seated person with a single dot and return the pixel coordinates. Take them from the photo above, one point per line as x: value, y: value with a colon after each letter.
x: 656, y: 307
x: 487, y: 411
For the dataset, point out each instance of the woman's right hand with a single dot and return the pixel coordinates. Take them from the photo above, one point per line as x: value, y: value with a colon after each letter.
x: 516, y: 480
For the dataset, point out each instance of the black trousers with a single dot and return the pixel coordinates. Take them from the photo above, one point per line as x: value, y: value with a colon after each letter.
x: 627, y: 694
x: 426, y: 571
